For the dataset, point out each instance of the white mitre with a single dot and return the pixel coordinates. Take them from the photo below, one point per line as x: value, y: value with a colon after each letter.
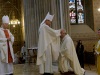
x: 48, y: 17
x: 5, y: 19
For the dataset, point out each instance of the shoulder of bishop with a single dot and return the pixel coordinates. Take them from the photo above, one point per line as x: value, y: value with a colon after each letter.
x: 1, y: 28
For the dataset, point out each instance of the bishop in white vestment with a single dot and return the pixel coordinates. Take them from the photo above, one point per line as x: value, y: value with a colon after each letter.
x: 68, y: 60
x: 48, y: 46
x: 6, y: 50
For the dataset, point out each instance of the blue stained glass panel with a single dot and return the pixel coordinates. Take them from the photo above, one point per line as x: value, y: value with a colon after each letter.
x: 76, y: 11
x: 72, y: 11
x: 80, y: 11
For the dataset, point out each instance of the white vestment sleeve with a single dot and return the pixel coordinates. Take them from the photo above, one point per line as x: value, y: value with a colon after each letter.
x: 3, y: 56
x: 52, y: 32
x: 47, y: 36
x: 3, y: 40
x: 55, y: 36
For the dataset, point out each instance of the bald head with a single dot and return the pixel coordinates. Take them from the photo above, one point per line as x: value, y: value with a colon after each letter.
x: 63, y: 30
x: 63, y: 33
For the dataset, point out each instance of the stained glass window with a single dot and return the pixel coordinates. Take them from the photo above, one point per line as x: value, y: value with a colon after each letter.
x: 76, y: 11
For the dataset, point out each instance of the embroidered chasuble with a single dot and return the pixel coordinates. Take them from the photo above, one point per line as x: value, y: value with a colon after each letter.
x: 10, y: 60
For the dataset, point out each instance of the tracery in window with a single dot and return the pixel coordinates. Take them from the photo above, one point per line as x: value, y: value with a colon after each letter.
x: 76, y: 10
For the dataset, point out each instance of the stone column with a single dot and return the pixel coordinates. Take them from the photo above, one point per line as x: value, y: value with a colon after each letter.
x: 66, y: 18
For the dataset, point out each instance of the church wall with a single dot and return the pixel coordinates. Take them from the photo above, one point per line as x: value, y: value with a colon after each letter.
x: 34, y: 13
x: 32, y: 19
x: 88, y: 8
x: 36, y: 10
x: 88, y: 32
x: 96, y: 5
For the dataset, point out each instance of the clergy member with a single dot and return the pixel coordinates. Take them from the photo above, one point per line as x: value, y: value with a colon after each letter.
x: 97, y: 51
x: 6, y: 50
x: 48, y: 46
x: 68, y: 60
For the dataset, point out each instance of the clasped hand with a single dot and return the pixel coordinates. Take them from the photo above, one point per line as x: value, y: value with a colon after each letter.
x: 9, y: 39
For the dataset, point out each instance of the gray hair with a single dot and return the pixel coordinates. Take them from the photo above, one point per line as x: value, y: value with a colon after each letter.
x: 64, y: 30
